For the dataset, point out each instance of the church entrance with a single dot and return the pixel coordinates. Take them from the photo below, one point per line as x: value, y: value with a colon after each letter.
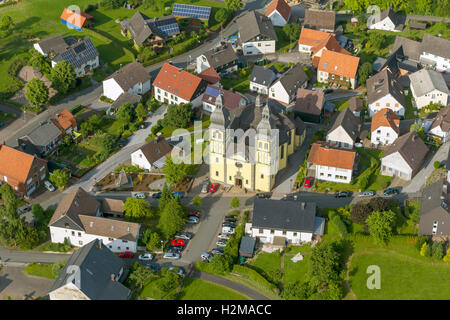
x: 238, y: 182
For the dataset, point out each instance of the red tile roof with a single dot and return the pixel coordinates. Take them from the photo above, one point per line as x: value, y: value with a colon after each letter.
x: 15, y: 164
x: 310, y: 37
x: 385, y: 118
x: 177, y: 81
x: 64, y: 120
x: 339, y: 64
x: 76, y: 18
x: 210, y: 75
x: 324, y: 155
x: 281, y: 6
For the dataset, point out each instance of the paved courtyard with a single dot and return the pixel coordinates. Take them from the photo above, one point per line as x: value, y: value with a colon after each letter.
x: 18, y: 285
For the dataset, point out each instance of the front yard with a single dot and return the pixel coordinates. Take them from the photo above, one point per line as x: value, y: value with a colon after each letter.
x: 238, y: 80
x: 197, y: 289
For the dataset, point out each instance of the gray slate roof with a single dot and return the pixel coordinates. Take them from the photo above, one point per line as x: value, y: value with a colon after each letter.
x: 78, y: 53
x: 348, y: 122
x: 382, y: 84
x: 247, y: 245
x: 54, y: 44
x: 126, y: 97
x: 262, y: 76
x: 140, y: 29
x: 442, y: 119
x: 254, y: 24
x: 411, y: 48
x: 425, y: 81
x: 436, y: 45
x: 434, y: 206
x: 130, y: 75
x: 293, y: 79
x: 286, y: 215
x: 96, y: 265
x: 319, y: 19
x: 221, y: 56
x: 44, y: 134
x: 355, y: 104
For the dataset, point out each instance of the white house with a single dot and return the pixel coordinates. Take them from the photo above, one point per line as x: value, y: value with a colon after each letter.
x: 132, y: 78
x: 78, y: 218
x: 261, y: 79
x: 222, y: 58
x: 404, y: 157
x: 230, y: 100
x: 440, y: 126
x: 435, y: 53
x: 256, y: 34
x: 338, y: 69
x: 279, y: 12
x: 279, y: 222
x: 284, y: 90
x: 331, y: 164
x: 385, y: 127
x: 345, y: 130
x: 429, y: 86
x: 384, y: 91
x: 152, y: 155
x: 51, y: 46
x: 176, y: 86
x: 386, y: 20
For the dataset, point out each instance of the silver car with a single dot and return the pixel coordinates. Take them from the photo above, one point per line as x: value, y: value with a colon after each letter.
x: 221, y: 243
x: 205, y: 187
x: 225, y: 236
x: 140, y: 195
x: 171, y: 255
x: 367, y: 193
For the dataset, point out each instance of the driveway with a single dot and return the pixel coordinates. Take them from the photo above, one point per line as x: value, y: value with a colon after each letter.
x: 18, y: 285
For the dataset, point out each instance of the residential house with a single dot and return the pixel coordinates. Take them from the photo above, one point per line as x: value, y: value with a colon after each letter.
x: 231, y: 100
x: 338, y: 69
x: 45, y: 138
x: 386, y: 20
x: 51, y: 46
x: 79, y: 219
x: 175, y: 86
x: 65, y: 122
x: 344, y: 132
x: 404, y: 157
x: 355, y: 105
x: 92, y: 272
x: 279, y: 12
x: 75, y: 19
x: 435, y: 53
x: 261, y: 79
x: 309, y: 105
x: 285, y: 88
x: 256, y: 34
x: 321, y: 20
x: 124, y: 97
x: 132, y: 78
x: 385, y: 127
x: 384, y: 91
x: 400, y: 67
x: 152, y: 155
x: 429, y: 86
x: 23, y: 172
x: 435, y: 211
x: 210, y: 76
x: 440, y: 126
x: 112, y: 208
x: 222, y: 58
x: 411, y: 49
x: 285, y: 222
x: 328, y: 163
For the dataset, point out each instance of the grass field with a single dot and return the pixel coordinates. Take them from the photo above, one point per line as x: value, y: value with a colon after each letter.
x: 197, y: 289
x: 40, y: 270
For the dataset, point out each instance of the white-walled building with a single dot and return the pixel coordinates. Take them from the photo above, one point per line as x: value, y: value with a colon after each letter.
x: 386, y: 20
x: 176, y: 86
x: 331, y: 164
x: 338, y: 69
x: 435, y: 53
x: 231, y: 100
x: 345, y: 130
x: 279, y: 12
x: 223, y: 59
x: 284, y: 90
x: 256, y: 34
x: 152, y: 155
x: 286, y: 222
x: 385, y: 127
x: 429, y: 86
x: 440, y: 126
x: 261, y: 79
x: 78, y: 218
x: 384, y: 91
x: 132, y: 78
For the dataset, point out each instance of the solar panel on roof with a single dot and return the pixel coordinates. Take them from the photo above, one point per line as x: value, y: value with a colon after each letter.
x: 212, y: 92
x: 189, y: 11
x: 170, y: 29
x: 79, y: 48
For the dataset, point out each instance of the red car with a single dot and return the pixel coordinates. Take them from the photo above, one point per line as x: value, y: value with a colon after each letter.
x: 308, y: 182
x: 195, y: 213
x: 214, y: 187
x: 126, y: 254
x: 178, y: 242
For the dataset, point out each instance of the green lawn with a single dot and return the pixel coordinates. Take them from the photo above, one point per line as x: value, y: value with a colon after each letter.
x: 341, y: 105
x: 238, y: 80
x: 266, y: 263
x: 410, y: 111
x: 197, y: 289
x: 299, y: 270
x: 40, y: 270
x: 284, y: 43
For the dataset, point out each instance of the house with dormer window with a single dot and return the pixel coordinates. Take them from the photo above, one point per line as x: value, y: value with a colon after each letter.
x: 152, y: 155
x: 256, y: 34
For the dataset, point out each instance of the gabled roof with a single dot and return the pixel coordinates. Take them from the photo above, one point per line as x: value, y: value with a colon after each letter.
x: 177, y: 81
x: 411, y: 48
x: 320, y: 19
x: 126, y: 97
x: 382, y: 84
x: 442, y: 119
x: 130, y: 75
x: 112, y: 205
x: 434, y: 206
x: 54, y: 44
x: 96, y: 265
x: 355, y: 104
x: 287, y: 215
x: 380, y: 16
x: 436, y: 45
x: 231, y: 100
x: 156, y: 149
x: 293, y: 79
x: 210, y: 75
x: 14, y: 163
x: 109, y: 227
x: 347, y: 121
x: 385, y: 118
x: 281, y: 7
x: 411, y: 148
x: 220, y: 56
x: 339, y: 64
x: 64, y: 120
x: 44, y: 134
x: 78, y: 53
x: 142, y: 27
x: 77, y: 18
x: 324, y: 155
x: 425, y: 81
x: 313, y: 38
x: 310, y: 102
x: 254, y: 24
x: 262, y: 76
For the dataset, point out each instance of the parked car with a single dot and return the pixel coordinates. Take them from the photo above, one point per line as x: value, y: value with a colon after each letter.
x: 171, y: 255
x: 146, y: 257
x: 193, y: 220
x: 205, y: 256
x: 126, y: 254
x: 367, y: 193
x: 263, y: 195
x: 217, y: 251
x: 205, y: 186
x: 221, y: 243
x: 308, y: 182
x: 184, y: 236
x: 175, y: 249
x: 342, y: 194
x: 178, y: 270
x: 156, y: 195
x: 178, y: 195
x: 227, y: 230
x: 214, y: 187
x: 140, y: 195
x: 178, y: 242
x: 390, y: 191
x: 326, y: 91
x: 23, y: 209
x: 228, y: 224
x: 230, y: 219
x: 49, y: 186
x: 195, y: 213
x: 225, y: 236
x: 152, y: 266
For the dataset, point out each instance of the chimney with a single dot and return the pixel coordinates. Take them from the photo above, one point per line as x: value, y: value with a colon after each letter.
x: 100, y: 244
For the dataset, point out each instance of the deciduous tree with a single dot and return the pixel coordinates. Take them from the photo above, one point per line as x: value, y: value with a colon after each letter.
x: 172, y: 218
x: 63, y: 76
x: 137, y: 209
x: 174, y: 172
x: 381, y: 225
x: 60, y: 178
x: 36, y: 92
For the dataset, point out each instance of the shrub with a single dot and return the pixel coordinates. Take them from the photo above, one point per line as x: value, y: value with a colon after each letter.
x: 447, y: 256
x: 420, y: 242
x: 342, y: 228
x: 437, y: 250
x: 57, y: 267
x: 437, y: 164
x: 235, y: 202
